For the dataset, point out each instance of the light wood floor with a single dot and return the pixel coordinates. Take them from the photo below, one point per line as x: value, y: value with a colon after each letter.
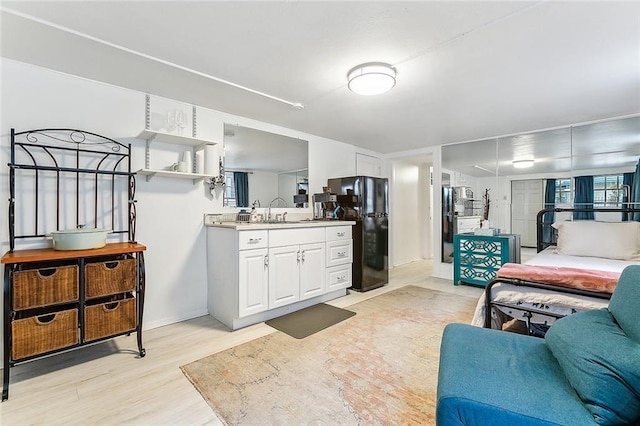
x: 85, y: 387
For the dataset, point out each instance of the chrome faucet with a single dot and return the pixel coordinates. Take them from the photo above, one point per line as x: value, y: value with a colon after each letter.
x: 271, y: 204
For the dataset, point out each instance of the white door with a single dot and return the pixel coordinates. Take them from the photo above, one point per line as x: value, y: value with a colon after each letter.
x: 284, y: 275
x: 312, y: 270
x: 253, y: 288
x: 527, y: 199
x: 367, y: 165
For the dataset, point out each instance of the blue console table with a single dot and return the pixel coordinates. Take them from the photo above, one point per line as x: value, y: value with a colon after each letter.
x: 477, y: 258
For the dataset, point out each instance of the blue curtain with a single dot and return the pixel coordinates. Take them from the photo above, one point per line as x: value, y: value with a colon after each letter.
x: 583, y: 198
x: 627, y: 182
x: 549, y: 203
x: 635, y: 193
x: 241, y: 182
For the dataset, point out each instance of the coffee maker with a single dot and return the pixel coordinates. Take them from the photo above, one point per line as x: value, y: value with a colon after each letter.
x: 324, y: 205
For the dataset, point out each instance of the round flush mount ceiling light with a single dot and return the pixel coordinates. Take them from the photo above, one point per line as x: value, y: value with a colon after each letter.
x: 523, y: 164
x: 372, y: 78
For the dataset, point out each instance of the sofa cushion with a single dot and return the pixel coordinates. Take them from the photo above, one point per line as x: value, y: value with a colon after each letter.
x: 625, y: 302
x: 491, y: 377
x: 601, y: 362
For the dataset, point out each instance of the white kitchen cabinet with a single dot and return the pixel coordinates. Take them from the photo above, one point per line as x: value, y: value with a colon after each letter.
x: 284, y: 275
x: 339, y: 252
x: 339, y: 277
x: 312, y: 270
x: 368, y: 165
x: 260, y: 271
x: 339, y: 257
x: 296, y: 273
x: 253, y: 281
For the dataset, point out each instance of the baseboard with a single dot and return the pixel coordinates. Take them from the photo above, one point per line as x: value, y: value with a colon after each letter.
x: 172, y: 320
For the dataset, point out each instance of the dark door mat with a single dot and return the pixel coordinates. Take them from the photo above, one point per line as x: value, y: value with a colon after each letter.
x: 308, y: 321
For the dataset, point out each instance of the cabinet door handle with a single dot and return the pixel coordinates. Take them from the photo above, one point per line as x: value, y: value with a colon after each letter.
x: 255, y: 240
x: 266, y: 260
x: 340, y: 234
x: 298, y: 256
x: 302, y: 256
x: 342, y: 254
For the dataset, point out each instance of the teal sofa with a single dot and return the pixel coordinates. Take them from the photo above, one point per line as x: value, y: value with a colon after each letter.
x: 585, y: 371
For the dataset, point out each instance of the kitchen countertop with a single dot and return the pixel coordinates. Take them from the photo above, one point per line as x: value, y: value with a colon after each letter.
x: 279, y: 225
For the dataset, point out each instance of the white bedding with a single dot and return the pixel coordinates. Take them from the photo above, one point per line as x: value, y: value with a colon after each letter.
x: 550, y: 301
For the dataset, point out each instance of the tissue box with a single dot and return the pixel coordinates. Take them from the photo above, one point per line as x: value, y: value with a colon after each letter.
x: 487, y: 232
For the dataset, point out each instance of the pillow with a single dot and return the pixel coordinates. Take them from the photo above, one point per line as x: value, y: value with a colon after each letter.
x: 611, y: 240
x: 601, y: 363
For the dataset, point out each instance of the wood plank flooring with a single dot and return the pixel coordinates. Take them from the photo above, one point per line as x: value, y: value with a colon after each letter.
x: 85, y: 387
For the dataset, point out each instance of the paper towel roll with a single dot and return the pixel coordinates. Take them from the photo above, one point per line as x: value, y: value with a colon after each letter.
x: 211, y: 160
x: 200, y: 162
x: 187, y: 157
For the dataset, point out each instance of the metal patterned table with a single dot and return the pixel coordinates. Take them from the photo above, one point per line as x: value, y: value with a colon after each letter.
x: 477, y: 258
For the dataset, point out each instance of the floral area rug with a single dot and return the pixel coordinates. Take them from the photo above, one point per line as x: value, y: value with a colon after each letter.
x: 377, y: 367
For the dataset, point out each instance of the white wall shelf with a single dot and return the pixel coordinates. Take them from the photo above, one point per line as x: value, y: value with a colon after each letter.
x: 149, y: 173
x: 153, y: 135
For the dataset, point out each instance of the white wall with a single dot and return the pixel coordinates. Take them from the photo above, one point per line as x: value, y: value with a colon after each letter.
x: 169, y: 211
x: 405, y: 214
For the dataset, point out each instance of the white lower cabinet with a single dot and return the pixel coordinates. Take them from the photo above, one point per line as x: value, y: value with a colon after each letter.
x: 284, y: 276
x: 339, y: 277
x: 258, y: 274
x: 253, y: 281
x: 296, y: 273
x: 312, y: 271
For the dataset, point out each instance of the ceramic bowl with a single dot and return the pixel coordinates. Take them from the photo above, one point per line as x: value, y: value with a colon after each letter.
x: 79, y: 239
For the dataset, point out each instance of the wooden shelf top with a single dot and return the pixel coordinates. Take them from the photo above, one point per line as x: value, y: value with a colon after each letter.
x: 37, y: 255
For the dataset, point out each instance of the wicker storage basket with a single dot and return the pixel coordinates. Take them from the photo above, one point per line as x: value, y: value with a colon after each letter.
x: 44, y: 333
x: 35, y: 288
x: 109, y: 318
x: 105, y: 278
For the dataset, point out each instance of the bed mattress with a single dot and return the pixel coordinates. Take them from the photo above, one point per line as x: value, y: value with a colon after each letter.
x: 557, y: 303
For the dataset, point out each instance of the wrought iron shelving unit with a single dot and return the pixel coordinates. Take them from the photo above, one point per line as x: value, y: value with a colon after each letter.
x: 59, y: 179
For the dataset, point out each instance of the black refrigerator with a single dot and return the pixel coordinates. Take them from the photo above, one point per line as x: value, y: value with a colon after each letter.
x: 365, y: 200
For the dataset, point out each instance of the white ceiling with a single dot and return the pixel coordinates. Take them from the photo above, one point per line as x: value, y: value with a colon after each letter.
x: 466, y: 70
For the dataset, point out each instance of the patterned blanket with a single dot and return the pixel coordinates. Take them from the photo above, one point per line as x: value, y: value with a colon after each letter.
x: 584, y: 279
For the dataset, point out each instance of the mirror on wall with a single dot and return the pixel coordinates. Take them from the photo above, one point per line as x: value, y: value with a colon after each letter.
x: 607, y: 144
x: 468, y: 169
x: 610, y: 147
x: 263, y: 166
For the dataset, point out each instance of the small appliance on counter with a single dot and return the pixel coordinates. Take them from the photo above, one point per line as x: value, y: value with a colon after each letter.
x: 324, y: 206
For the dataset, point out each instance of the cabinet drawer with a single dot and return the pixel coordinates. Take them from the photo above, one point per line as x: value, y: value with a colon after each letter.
x: 43, y: 333
x: 41, y: 287
x: 289, y: 237
x: 104, y: 278
x: 253, y: 239
x: 339, y: 253
x: 338, y: 277
x: 109, y: 318
x: 338, y: 233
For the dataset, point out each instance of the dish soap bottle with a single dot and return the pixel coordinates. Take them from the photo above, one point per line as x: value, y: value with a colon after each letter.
x: 253, y: 215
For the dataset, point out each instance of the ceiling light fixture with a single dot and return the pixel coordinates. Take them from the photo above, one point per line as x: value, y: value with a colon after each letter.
x: 372, y: 78
x: 523, y: 164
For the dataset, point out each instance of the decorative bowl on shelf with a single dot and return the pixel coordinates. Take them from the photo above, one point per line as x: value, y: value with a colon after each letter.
x: 79, y: 238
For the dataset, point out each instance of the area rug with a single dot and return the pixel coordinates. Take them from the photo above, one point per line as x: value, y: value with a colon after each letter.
x: 308, y: 321
x: 378, y: 367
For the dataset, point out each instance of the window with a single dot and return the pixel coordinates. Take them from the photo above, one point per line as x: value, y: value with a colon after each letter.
x: 608, y: 190
x: 229, y: 190
x: 563, y: 191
